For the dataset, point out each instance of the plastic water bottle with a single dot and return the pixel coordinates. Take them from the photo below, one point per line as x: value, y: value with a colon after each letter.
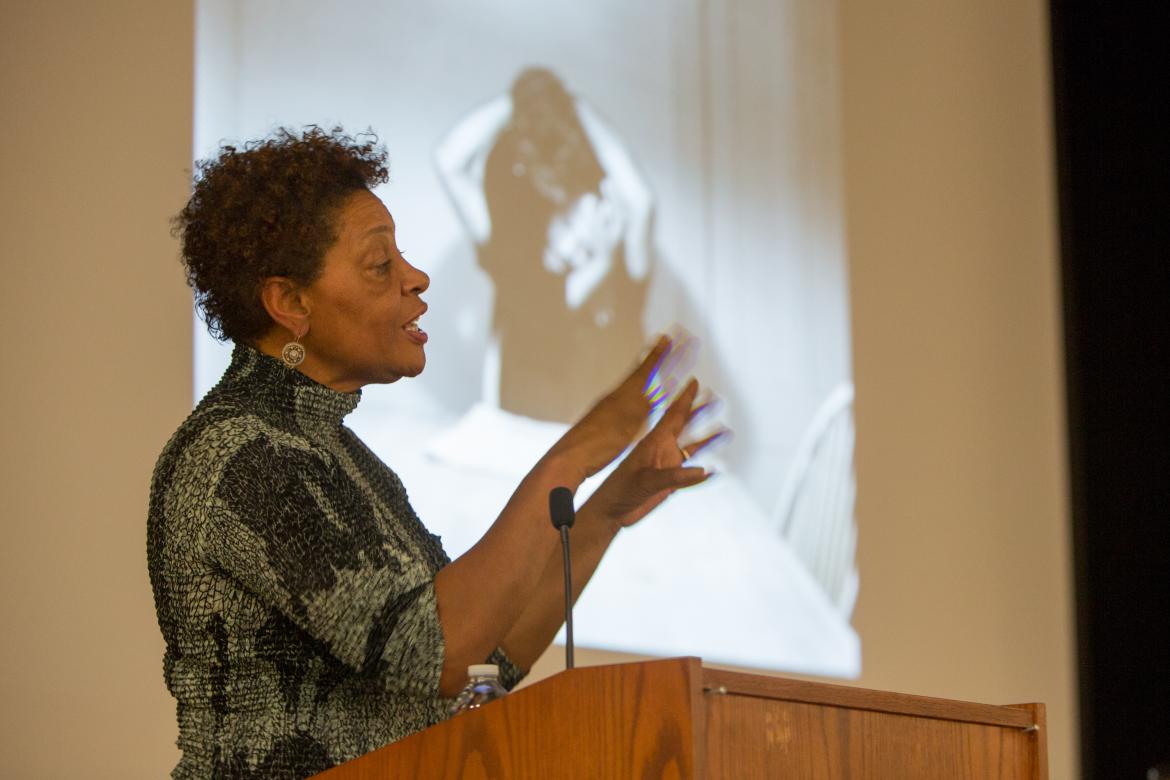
x: 482, y: 687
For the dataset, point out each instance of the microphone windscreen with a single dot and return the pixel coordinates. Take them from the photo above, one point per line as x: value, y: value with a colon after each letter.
x: 560, y: 507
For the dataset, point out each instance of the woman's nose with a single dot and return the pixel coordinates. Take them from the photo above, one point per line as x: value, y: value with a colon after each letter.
x: 417, y: 280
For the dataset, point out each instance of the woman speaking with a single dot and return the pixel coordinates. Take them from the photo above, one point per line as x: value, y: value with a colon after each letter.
x: 308, y: 614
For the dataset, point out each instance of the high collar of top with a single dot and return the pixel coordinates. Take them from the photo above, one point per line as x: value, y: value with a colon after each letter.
x: 251, y: 371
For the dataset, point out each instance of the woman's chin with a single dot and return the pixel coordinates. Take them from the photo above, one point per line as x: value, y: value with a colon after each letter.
x: 406, y: 371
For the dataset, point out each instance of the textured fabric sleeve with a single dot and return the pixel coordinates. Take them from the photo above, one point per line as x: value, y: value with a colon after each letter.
x: 510, y: 673
x: 295, y: 530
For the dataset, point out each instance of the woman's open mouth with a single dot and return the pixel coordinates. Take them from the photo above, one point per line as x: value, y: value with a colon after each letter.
x: 416, y: 333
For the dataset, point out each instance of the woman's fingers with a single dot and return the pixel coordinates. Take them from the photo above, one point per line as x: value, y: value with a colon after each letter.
x: 655, y: 481
x: 684, y: 476
x: 630, y: 494
x: 695, y: 447
x: 709, y: 403
x: 680, y: 359
x: 647, y: 371
x: 679, y: 412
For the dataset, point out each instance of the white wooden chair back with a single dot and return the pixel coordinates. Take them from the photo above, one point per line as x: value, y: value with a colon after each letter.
x: 815, y: 510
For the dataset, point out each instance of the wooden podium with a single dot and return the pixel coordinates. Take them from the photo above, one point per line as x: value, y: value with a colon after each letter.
x: 677, y: 719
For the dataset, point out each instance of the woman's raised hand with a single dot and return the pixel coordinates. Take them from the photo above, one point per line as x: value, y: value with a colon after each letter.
x: 655, y: 468
x: 616, y: 420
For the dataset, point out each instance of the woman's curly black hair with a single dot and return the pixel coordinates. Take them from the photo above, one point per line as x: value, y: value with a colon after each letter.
x: 268, y: 209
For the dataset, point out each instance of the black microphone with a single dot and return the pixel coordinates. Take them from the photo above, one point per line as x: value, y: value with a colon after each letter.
x: 560, y: 509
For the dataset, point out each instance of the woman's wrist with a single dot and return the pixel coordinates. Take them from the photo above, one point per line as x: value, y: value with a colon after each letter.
x: 558, y: 468
x: 597, y: 523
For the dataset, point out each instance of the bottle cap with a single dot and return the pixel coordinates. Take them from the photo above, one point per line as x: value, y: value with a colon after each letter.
x: 483, y: 670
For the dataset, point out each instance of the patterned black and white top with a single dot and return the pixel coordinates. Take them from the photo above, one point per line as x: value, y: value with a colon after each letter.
x: 293, y: 582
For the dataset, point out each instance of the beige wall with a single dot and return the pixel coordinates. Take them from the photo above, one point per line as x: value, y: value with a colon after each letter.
x: 95, y: 344
x: 948, y: 163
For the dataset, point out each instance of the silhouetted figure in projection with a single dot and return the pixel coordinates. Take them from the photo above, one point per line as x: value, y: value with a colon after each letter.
x: 560, y: 217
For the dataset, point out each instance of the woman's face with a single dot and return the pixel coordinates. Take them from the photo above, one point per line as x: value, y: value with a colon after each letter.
x: 363, y: 308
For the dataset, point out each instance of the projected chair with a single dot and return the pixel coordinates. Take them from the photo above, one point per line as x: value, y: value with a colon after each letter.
x: 815, y: 509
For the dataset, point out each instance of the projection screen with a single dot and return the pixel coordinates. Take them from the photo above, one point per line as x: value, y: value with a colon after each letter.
x: 575, y: 178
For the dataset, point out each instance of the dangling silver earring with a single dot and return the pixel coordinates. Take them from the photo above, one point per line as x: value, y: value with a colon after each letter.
x: 293, y: 353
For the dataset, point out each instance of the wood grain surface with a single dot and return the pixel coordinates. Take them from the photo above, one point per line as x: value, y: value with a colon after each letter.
x: 676, y: 719
x: 865, y: 699
x: 621, y: 721
x: 755, y: 737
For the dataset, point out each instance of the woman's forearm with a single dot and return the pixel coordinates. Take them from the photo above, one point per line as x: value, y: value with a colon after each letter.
x: 482, y: 594
x: 544, y: 613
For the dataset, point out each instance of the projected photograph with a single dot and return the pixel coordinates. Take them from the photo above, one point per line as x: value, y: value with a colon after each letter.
x: 576, y: 179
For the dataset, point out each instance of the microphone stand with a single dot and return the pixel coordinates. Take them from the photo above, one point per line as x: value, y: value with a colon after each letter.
x: 568, y: 598
x: 560, y: 508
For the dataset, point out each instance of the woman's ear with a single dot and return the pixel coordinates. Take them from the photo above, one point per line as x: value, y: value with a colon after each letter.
x: 285, y: 304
